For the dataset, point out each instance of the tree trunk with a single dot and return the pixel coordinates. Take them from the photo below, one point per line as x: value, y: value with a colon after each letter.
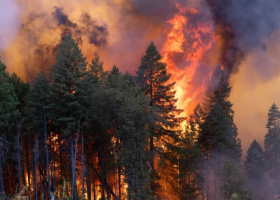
x: 35, y: 181
x: 82, y: 161
x: 74, y: 192
x: 103, y: 171
x: 53, y: 167
x: 22, y: 172
x: 88, y: 185
x: 60, y: 163
x: 27, y: 162
x: 18, y: 156
x: 207, y: 177
x: 47, y: 152
x: 119, y: 175
x: 1, y: 178
x: 94, y: 190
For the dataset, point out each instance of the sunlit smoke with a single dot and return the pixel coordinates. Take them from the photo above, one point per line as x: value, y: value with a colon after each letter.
x: 194, y: 36
x: 9, y: 22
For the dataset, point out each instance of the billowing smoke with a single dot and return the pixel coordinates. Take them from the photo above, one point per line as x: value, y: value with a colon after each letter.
x: 242, y: 36
x: 251, y: 30
x: 246, y: 27
x: 40, y: 32
x: 9, y: 11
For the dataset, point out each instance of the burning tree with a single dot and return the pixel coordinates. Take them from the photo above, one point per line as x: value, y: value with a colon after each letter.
x: 67, y: 94
x: 36, y: 111
x: 152, y: 78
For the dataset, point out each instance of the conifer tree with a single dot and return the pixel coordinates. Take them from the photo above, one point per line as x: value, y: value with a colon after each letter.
x: 120, y: 136
x: 218, y: 91
x: 132, y: 117
x: 234, y: 182
x: 219, y: 133
x: 97, y: 70
x: 36, y: 109
x: 254, y: 168
x: 272, y: 145
x: 8, y: 101
x: 67, y: 94
x: 21, y: 89
x: 153, y: 80
x: 8, y: 116
x: 196, y: 121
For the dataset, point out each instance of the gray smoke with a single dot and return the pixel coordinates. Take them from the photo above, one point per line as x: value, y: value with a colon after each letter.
x: 253, y: 21
x: 9, y: 23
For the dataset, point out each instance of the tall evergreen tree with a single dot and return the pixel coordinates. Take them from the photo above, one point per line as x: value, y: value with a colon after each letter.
x: 153, y: 80
x: 132, y: 116
x: 97, y: 70
x: 254, y: 168
x: 216, y: 101
x: 21, y: 90
x: 67, y: 94
x: 119, y: 114
x: 8, y: 116
x: 36, y: 109
x: 272, y: 145
x: 219, y: 133
x: 196, y: 121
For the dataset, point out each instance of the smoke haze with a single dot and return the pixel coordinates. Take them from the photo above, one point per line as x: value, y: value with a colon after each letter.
x: 120, y: 30
x: 9, y: 22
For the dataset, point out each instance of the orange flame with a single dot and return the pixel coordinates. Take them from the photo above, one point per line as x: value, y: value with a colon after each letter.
x: 176, y: 44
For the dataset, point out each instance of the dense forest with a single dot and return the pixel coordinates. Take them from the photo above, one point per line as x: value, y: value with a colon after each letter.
x: 80, y: 132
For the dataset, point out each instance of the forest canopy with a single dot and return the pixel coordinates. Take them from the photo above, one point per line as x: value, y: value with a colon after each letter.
x: 80, y: 132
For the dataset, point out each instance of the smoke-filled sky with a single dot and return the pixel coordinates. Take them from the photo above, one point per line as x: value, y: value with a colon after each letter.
x: 120, y: 30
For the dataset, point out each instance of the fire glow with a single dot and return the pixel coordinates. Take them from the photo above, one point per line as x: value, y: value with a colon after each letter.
x: 196, y: 47
x: 192, y: 40
x: 190, y: 37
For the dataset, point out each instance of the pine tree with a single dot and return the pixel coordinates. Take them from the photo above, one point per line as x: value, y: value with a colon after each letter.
x: 8, y: 116
x: 183, y: 177
x: 234, y: 182
x: 218, y: 91
x: 97, y: 70
x: 68, y: 93
x: 36, y: 109
x: 152, y: 79
x: 219, y: 133
x: 101, y: 126
x: 254, y: 168
x: 132, y: 117
x: 272, y: 144
x: 21, y: 90
x: 120, y: 137
x: 196, y: 121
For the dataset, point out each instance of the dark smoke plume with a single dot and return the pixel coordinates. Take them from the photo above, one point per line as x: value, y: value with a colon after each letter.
x: 62, y: 18
x: 244, y: 26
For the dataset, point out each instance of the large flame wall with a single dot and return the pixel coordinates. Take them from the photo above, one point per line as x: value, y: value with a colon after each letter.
x: 194, y: 36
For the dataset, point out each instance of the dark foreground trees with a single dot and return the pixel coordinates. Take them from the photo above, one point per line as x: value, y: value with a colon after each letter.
x: 255, y: 167
x: 83, y: 132
x: 153, y: 80
x: 272, y: 146
x: 8, y: 117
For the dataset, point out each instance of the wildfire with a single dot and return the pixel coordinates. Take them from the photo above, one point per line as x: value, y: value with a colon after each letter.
x: 189, y: 42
